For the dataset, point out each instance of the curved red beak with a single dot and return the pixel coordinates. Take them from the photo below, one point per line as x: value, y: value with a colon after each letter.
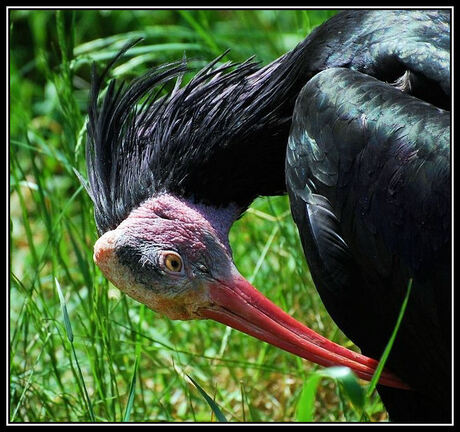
x: 244, y: 308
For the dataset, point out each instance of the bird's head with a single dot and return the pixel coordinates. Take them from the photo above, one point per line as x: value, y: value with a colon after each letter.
x: 169, y: 176
x: 170, y: 255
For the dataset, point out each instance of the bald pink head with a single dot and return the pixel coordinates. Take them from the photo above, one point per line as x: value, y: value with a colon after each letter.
x: 134, y: 256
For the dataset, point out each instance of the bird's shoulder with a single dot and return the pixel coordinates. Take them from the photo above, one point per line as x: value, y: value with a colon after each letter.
x: 385, y: 44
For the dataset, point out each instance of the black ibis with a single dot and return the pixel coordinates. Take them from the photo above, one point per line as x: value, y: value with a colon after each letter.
x: 354, y: 124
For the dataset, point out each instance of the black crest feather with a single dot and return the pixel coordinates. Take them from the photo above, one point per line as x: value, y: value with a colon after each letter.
x: 197, y: 142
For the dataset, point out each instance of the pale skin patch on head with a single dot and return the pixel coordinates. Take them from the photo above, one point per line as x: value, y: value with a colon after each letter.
x: 184, y: 215
x: 169, y: 219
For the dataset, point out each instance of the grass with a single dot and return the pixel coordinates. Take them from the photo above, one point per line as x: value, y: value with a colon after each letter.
x: 79, y: 349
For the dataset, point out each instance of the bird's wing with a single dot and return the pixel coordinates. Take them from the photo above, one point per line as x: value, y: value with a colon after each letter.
x: 368, y: 174
x: 374, y: 150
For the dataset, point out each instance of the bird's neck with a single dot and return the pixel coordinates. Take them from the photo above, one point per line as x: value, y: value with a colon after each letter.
x: 221, y: 219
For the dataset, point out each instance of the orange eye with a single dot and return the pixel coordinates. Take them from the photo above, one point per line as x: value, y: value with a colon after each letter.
x: 173, y: 262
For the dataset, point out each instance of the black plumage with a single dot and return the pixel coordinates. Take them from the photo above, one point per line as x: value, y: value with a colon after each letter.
x: 367, y: 171
x: 370, y: 194
x: 135, y: 150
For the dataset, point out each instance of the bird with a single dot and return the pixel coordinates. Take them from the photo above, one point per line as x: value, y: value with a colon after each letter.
x: 354, y: 125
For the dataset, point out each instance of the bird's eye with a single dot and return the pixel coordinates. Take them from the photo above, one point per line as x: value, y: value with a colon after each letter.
x: 173, y: 262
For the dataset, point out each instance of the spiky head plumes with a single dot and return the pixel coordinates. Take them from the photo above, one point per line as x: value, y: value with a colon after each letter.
x: 194, y: 142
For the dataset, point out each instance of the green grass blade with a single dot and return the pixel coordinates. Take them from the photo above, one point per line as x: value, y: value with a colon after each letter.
x: 132, y: 387
x: 306, y: 403
x: 132, y: 391
x: 200, y: 28
x: 29, y: 379
x: 386, y: 352
x: 69, y: 332
x: 68, y: 326
x: 349, y: 382
x: 343, y: 376
x: 215, y: 409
